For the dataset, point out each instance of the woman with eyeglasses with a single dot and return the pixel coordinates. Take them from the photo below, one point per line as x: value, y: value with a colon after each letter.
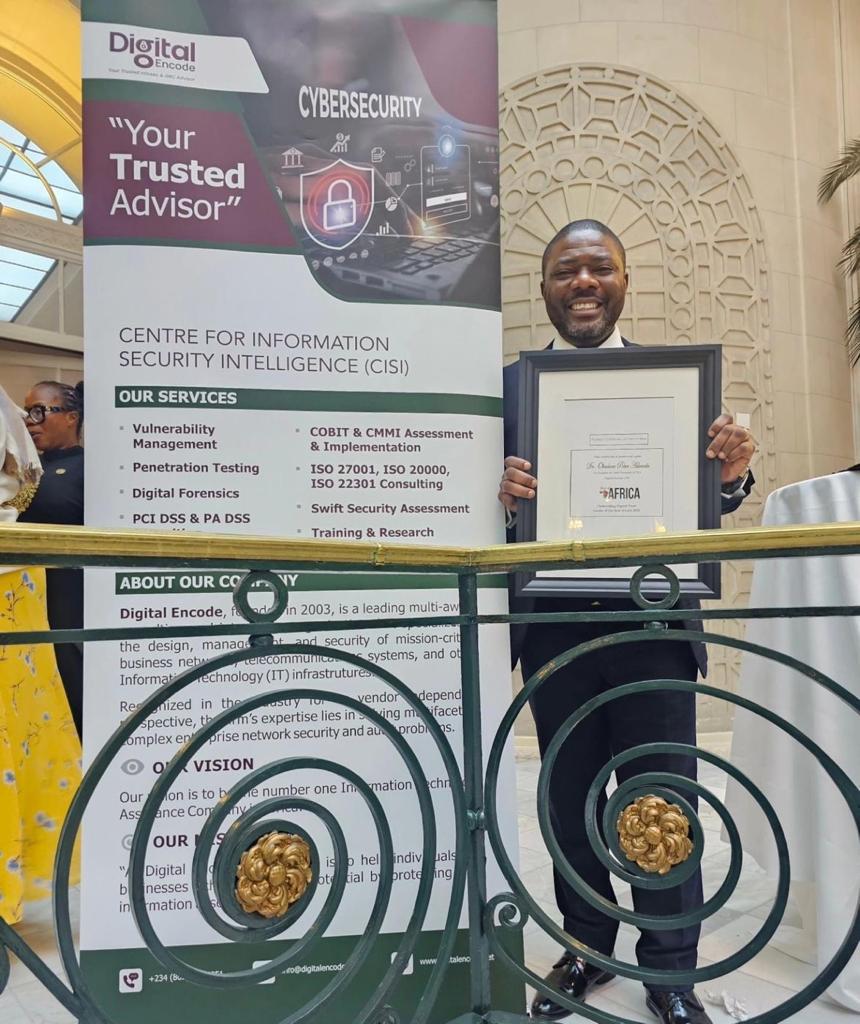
x: 55, y: 417
x: 40, y: 753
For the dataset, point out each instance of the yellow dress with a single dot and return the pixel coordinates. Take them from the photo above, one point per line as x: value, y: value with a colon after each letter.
x: 40, y: 755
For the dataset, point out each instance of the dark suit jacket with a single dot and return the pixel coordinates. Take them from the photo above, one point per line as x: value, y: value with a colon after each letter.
x: 524, y: 605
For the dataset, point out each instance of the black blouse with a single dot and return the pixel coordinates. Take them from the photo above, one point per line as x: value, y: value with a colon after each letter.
x: 60, y: 495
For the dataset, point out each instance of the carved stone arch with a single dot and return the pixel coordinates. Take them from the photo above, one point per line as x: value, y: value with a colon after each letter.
x: 613, y: 143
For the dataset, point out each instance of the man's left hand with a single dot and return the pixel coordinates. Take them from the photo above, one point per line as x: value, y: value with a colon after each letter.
x: 734, y: 446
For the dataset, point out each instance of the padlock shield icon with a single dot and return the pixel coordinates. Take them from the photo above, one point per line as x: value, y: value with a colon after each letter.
x: 339, y: 210
x: 337, y: 203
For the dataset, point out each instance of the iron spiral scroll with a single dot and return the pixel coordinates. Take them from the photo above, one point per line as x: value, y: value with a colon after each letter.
x: 506, y: 914
x: 267, y: 847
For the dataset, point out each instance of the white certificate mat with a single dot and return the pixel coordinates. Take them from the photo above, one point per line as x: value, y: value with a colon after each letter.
x: 618, y: 456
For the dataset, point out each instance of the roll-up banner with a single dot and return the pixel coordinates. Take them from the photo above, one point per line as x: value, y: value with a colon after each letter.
x: 292, y: 301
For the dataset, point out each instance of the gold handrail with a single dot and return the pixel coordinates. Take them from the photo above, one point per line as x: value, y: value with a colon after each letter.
x: 40, y: 544
x: 696, y: 545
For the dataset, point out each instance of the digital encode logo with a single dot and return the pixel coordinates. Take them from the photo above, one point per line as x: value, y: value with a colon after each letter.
x: 155, y: 51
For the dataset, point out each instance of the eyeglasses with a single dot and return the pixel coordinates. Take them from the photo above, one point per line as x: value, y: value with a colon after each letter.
x: 37, y: 413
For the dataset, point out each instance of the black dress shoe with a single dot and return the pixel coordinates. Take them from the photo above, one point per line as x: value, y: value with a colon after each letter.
x: 574, y: 978
x: 677, y: 1007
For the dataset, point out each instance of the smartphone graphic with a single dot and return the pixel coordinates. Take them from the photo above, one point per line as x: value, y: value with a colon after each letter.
x: 446, y: 182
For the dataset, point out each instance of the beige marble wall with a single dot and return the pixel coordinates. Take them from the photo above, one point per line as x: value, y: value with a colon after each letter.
x: 849, y: 48
x: 768, y: 74
x: 22, y: 366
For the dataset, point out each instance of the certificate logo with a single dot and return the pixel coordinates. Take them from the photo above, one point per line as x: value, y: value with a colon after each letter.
x: 620, y: 493
x: 337, y: 203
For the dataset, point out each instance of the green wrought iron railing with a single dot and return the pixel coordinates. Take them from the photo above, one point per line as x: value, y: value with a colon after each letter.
x: 496, y: 924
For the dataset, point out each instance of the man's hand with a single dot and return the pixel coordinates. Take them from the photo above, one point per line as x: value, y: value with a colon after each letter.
x: 734, y: 446
x: 517, y: 482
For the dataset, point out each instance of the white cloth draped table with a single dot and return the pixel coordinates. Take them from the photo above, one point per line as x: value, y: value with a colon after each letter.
x: 822, y: 839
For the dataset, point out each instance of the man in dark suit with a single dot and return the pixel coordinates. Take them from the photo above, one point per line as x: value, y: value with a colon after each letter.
x: 584, y: 286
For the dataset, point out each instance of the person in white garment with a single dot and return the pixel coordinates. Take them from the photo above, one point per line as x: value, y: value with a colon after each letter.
x: 822, y: 838
x: 40, y: 756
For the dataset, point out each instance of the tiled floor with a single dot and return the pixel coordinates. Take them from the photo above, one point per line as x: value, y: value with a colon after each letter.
x: 765, y: 982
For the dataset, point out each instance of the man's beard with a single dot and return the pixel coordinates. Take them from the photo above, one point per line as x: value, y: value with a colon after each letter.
x: 587, y: 335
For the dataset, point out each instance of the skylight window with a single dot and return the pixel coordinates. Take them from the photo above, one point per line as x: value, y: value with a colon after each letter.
x: 32, y: 184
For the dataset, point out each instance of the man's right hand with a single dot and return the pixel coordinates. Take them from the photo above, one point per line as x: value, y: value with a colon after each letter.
x: 517, y: 482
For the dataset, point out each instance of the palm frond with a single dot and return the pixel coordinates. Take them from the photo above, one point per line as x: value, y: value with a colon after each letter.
x: 838, y: 173
x: 852, y: 335
x: 850, y: 261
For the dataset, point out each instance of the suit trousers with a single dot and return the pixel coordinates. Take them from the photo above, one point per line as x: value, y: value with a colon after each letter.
x: 614, y: 727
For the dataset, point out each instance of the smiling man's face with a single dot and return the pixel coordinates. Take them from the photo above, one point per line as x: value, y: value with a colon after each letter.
x: 584, y: 286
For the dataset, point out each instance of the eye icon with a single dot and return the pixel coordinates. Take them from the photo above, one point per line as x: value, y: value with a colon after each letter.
x: 133, y: 766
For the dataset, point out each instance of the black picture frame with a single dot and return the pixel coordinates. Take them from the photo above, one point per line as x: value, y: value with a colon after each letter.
x: 707, y: 359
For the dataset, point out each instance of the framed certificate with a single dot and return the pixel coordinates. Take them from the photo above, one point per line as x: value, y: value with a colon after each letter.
x: 617, y: 440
